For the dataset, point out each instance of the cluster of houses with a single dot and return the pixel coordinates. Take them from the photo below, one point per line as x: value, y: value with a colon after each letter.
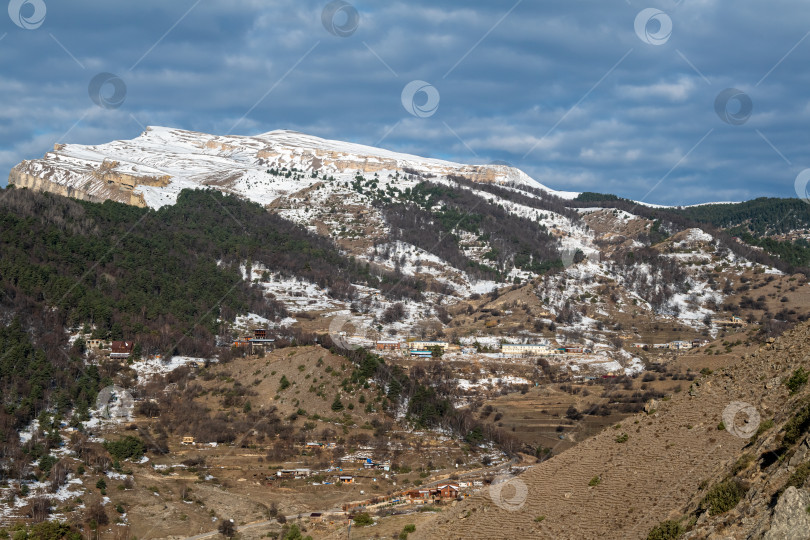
x: 435, y: 495
x: 424, y: 349
x: 438, y: 493
x: 367, y: 461
x: 678, y: 345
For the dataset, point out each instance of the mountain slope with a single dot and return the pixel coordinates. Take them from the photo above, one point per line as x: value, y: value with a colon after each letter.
x: 666, y: 464
x: 433, y: 233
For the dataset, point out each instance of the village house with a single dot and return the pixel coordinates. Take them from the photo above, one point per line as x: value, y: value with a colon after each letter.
x: 346, y: 479
x: 424, y: 345
x: 260, y: 333
x: 253, y: 342
x: 387, y: 345
x: 187, y: 440
x: 263, y: 342
x: 441, y: 492
x: 417, y: 495
x: 448, y: 491
x: 680, y: 345
x: 526, y: 349
x: 371, y: 464
x: 294, y: 473
x: 731, y: 321
x: 121, y: 349
x: 95, y: 343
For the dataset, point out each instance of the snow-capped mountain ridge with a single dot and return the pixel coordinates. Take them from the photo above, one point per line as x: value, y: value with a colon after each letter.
x: 153, y: 168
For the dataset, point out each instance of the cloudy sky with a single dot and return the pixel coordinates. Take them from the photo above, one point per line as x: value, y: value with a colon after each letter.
x: 619, y: 96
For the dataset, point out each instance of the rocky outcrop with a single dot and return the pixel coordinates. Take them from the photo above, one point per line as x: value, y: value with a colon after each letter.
x: 791, y: 518
x: 22, y: 179
x: 99, y: 184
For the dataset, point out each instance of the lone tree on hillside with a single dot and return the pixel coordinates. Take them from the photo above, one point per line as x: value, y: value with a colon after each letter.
x: 227, y: 528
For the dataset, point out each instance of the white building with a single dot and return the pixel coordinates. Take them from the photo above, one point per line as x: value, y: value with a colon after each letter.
x: 423, y: 345
x: 680, y: 345
x: 526, y: 349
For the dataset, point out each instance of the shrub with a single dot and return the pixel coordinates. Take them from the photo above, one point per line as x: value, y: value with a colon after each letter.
x: 722, y: 497
x: 362, y: 520
x: 48, y: 530
x: 797, y: 380
x: 409, y: 528
x: 764, y: 426
x: 666, y: 530
x: 796, y: 426
x: 623, y: 438
x: 742, y: 463
x: 284, y: 383
x: 799, y: 476
x: 130, y: 447
x: 595, y: 481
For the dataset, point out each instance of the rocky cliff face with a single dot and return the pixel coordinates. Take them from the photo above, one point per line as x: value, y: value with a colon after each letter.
x: 87, y: 180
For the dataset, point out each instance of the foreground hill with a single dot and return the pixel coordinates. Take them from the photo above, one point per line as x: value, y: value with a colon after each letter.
x: 689, y: 460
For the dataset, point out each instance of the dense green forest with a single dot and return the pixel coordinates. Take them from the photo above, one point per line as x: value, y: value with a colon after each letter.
x: 754, y: 222
x: 760, y: 217
x: 133, y: 272
x: 161, y: 278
